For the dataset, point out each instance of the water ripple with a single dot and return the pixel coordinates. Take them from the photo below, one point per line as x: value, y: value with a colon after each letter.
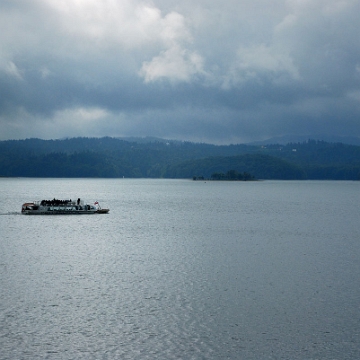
x: 183, y: 270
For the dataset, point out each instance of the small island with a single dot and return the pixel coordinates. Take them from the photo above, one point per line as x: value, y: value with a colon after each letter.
x: 231, y: 175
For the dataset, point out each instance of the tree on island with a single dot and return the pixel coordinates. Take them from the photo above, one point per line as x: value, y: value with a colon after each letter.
x: 233, y: 175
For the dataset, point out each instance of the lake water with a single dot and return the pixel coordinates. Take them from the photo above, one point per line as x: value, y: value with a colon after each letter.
x: 181, y: 269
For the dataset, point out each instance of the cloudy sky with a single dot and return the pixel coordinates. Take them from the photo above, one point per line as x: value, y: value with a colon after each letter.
x: 217, y: 71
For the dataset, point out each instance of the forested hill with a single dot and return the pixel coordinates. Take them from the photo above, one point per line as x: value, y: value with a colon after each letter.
x: 156, y: 158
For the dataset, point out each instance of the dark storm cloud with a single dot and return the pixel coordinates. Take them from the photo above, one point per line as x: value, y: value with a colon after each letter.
x: 203, y: 71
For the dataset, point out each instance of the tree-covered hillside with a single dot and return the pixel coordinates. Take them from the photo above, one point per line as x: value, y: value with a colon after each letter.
x: 259, y: 165
x: 320, y: 159
x: 111, y: 157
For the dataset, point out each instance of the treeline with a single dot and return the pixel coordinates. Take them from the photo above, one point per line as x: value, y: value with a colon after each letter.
x: 259, y: 165
x: 112, y: 158
x: 232, y: 175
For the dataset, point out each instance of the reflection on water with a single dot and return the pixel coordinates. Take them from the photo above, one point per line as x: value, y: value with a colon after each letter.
x: 181, y: 269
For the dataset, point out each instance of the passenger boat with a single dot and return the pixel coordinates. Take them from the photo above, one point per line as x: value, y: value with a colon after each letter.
x: 61, y: 207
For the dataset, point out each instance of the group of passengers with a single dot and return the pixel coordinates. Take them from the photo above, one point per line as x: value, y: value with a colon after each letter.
x: 55, y: 202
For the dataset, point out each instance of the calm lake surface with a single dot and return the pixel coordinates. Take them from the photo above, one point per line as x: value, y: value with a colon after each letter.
x: 181, y: 269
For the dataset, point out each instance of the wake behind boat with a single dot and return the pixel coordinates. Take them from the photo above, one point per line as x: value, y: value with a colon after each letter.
x: 61, y: 207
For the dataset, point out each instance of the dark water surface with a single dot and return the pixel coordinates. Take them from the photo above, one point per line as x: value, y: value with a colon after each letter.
x: 181, y: 270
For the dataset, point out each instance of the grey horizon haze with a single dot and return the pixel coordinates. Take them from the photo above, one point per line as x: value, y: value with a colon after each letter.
x: 206, y: 71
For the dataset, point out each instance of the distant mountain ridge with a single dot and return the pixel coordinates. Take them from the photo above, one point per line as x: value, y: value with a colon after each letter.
x: 286, y: 139
x: 160, y: 158
x: 281, y: 140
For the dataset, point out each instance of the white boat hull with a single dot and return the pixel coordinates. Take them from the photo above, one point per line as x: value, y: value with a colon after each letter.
x: 58, y: 212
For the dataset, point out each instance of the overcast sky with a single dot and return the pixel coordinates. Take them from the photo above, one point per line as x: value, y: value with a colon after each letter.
x: 217, y: 71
